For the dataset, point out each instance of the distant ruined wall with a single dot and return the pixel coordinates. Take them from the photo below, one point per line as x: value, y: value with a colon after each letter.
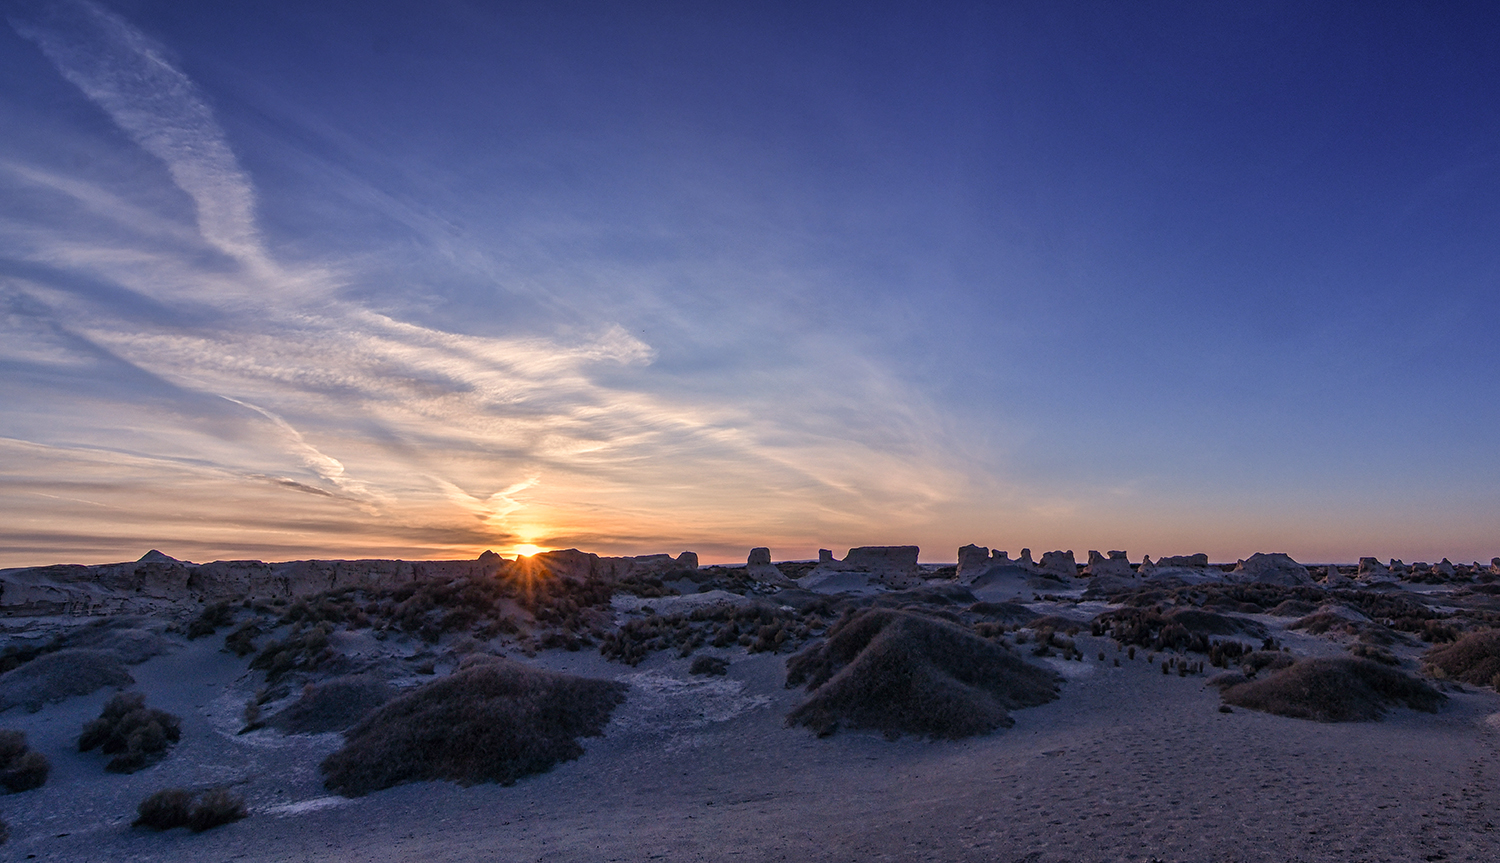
x: 158, y: 582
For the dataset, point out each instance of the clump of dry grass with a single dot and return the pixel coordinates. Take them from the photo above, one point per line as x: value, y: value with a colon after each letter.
x: 1474, y: 658
x: 177, y: 807
x: 21, y: 767
x: 333, y: 705
x: 135, y: 734
x: 905, y: 673
x: 493, y: 722
x: 1343, y: 689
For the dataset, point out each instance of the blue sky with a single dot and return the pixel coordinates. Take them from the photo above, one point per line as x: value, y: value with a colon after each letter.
x: 284, y: 280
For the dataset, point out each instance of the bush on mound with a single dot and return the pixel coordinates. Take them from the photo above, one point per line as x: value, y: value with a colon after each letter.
x: 1475, y: 658
x: 61, y: 675
x: 21, y: 767
x: 177, y: 807
x: 1343, y: 689
x: 905, y: 673
x: 494, y: 722
x: 135, y: 734
x: 333, y: 705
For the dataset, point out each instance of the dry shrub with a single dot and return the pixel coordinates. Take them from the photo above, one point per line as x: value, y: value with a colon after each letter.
x: 333, y: 705
x: 1262, y: 660
x: 216, y: 807
x: 21, y: 767
x: 303, y: 649
x: 494, y: 722
x: 135, y: 734
x: 1334, y: 690
x: 61, y: 675
x: 164, y: 809
x: 1475, y: 658
x: 709, y: 665
x: 1371, y: 651
x: 210, y: 619
x: 177, y: 807
x: 904, y: 673
x: 1324, y: 620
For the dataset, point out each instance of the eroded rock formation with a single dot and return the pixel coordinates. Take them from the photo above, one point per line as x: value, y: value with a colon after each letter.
x: 887, y: 565
x: 1116, y: 564
x: 1059, y: 563
x: 1273, y: 568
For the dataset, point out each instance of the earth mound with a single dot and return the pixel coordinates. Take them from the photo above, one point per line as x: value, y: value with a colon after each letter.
x: 905, y: 673
x: 1334, y: 690
x: 61, y: 675
x: 493, y: 722
x: 333, y: 705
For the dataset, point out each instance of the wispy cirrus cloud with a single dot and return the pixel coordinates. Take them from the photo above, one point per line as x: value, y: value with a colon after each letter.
x: 253, y: 406
x: 128, y: 75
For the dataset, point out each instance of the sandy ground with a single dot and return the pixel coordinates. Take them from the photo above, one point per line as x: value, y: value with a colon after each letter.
x: 1128, y: 764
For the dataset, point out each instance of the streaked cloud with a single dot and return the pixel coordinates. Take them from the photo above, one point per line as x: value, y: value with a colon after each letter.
x: 343, y: 428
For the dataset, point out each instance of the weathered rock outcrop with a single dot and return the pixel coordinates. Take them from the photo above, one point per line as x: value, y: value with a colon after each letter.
x: 1059, y: 563
x: 976, y: 561
x: 973, y: 560
x: 1274, y: 568
x: 887, y: 565
x: 759, y: 567
x: 1185, y: 561
x: 1117, y: 564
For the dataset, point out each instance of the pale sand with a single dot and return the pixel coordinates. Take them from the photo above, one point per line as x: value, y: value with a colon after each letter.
x: 1127, y: 765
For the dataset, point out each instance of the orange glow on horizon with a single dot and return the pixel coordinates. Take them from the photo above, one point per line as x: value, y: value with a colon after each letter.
x: 526, y: 549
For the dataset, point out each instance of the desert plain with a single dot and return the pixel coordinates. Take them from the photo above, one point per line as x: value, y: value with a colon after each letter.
x: 863, y: 708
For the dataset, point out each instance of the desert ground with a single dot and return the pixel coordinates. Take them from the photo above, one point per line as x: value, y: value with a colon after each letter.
x: 1127, y: 762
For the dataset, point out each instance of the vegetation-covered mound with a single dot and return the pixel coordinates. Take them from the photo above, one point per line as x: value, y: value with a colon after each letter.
x: 333, y: 705
x: 905, y: 673
x: 135, y: 734
x: 1474, y: 658
x: 1344, y: 689
x: 493, y: 722
x: 60, y: 675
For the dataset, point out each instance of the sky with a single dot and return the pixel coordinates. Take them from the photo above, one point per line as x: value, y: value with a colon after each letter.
x: 324, y: 279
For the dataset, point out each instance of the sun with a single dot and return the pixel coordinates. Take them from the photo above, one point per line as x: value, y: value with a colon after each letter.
x: 526, y: 549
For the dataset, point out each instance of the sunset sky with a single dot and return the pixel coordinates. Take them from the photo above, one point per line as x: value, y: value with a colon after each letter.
x: 322, y: 279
